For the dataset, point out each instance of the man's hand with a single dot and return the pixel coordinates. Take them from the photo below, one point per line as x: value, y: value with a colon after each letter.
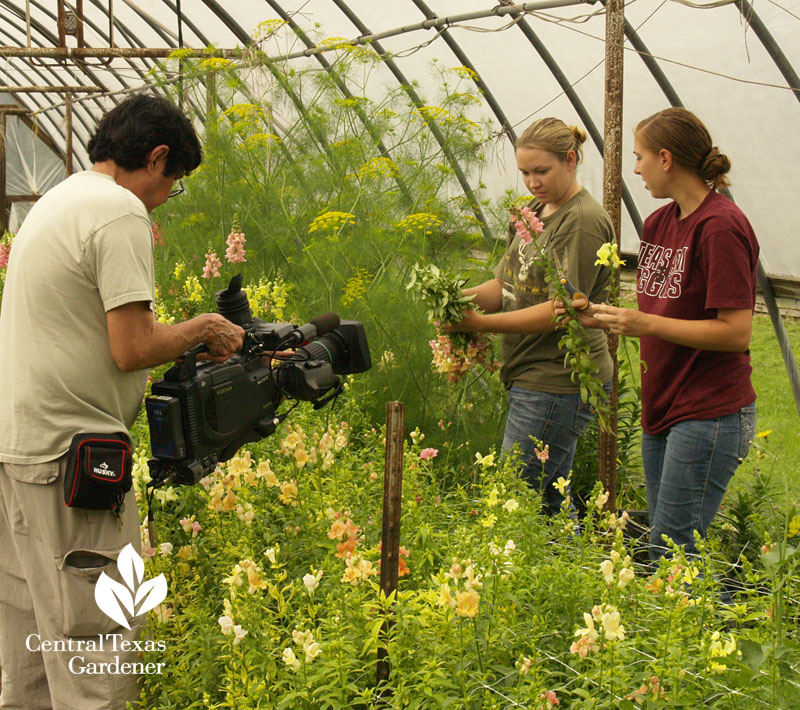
x: 138, y: 341
x: 222, y: 337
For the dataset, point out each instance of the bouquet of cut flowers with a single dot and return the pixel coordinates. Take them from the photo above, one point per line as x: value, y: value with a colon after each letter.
x: 454, y: 354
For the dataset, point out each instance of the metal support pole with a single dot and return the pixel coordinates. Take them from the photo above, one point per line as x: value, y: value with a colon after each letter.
x: 3, y: 204
x: 39, y: 89
x: 68, y: 136
x: 612, y: 197
x: 780, y: 332
x: 390, y: 535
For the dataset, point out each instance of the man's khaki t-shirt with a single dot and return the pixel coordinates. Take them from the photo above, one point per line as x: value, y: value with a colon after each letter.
x: 572, y: 235
x: 85, y: 247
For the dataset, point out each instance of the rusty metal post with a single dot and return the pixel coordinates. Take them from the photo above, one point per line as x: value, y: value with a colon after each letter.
x: 68, y: 138
x: 612, y: 198
x: 390, y: 535
x: 3, y: 204
x: 39, y: 89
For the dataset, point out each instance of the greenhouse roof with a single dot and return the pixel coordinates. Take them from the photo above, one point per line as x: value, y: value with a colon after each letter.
x: 731, y: 62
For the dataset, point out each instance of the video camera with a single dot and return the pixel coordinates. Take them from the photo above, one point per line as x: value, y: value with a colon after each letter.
x: 202, y: 412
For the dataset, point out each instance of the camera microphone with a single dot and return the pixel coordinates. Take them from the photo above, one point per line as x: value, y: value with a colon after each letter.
x: 321, y: 325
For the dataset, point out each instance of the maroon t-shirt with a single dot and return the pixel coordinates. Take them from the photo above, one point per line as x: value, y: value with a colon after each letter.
x: 688, y: 269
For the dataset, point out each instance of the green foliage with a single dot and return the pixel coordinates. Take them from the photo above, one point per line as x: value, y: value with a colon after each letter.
x: 492, y: 612
x: 443, y: 294
x: 326, y: 211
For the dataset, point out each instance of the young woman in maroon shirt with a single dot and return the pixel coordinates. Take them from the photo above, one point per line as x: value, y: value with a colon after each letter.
x: 696, y: 286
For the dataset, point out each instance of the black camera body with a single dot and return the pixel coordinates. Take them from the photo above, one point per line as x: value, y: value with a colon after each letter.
x: 201, y: 413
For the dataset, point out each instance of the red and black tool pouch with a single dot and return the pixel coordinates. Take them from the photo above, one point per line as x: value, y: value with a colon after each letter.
x: 98, y: 472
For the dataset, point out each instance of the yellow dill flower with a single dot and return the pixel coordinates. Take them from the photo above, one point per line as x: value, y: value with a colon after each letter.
x: 331, y: 221
x: 356, y: 287
x: 421, y: 221
x: 462, y: 97
x: 180, y: 53
x: 376, y: 167
x: 330, y: 41
x: 192, y: 220
x: 267, y: 28
x: 464, y: 72
x: 244, y: 112
x: 215, y: 64
x: 465, y: 124
x: 261, y: 140
x: 434, y: 113
x: 345, y: 143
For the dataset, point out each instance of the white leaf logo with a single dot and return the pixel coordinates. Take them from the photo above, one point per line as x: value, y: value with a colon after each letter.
x: 115, y: 599
x: 129, y: 564
x: 150, y: 594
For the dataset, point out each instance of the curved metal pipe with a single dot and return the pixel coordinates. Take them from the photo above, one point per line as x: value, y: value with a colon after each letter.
x: 347, y: 93
x: 31, y: 104
x: 243, y: 37
x: 434, y: 129
x: 494, y: 105
x: 33, y: 99
x: 186, y: 21
x: 781, y: 61
x: 88, y: 72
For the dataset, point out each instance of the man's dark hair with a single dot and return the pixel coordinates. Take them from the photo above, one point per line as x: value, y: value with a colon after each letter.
x: 128, y: 133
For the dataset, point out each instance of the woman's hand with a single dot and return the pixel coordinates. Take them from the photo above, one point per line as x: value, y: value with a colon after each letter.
x: 621, y: 321
x: 585, y: 308
x: 470, y: 323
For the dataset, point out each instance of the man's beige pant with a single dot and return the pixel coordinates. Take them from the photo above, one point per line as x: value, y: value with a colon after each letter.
x: 51, y: 557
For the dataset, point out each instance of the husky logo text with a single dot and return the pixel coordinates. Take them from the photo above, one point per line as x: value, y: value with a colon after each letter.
x: 122, y: 602
x: 104, y: 471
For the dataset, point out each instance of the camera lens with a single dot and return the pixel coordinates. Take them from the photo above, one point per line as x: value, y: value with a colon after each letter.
x: 328, y: 348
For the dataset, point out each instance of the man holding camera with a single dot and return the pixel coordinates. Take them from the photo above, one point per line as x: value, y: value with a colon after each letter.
x: 77, y: 336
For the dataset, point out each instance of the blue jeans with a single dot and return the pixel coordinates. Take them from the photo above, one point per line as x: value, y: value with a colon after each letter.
x: 687, y: 470
x: 555, y: 419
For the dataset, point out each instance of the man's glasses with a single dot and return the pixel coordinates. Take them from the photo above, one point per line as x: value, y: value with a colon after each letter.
x: 178, y: 190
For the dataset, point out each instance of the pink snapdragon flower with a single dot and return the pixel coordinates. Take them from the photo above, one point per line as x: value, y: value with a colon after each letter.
x: 544, y: 454
x: 235, y: 251
x: 157, y: 234
x: 5, y: 252
x: 211, y: 268
x: 455, y: 361
x: 428, y: 454
x: 526, y: 224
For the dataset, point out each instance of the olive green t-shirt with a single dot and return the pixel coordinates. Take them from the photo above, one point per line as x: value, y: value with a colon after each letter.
x: 572, y: 235
x: 85, y: 247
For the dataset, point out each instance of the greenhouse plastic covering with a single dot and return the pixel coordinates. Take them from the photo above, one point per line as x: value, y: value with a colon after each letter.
x: 713, y: 62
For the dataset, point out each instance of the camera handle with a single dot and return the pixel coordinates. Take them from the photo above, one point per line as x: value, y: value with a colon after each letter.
x: 185, y: 367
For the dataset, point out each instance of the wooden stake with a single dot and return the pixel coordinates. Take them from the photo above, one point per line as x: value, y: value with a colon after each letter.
x: 392, y: 502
